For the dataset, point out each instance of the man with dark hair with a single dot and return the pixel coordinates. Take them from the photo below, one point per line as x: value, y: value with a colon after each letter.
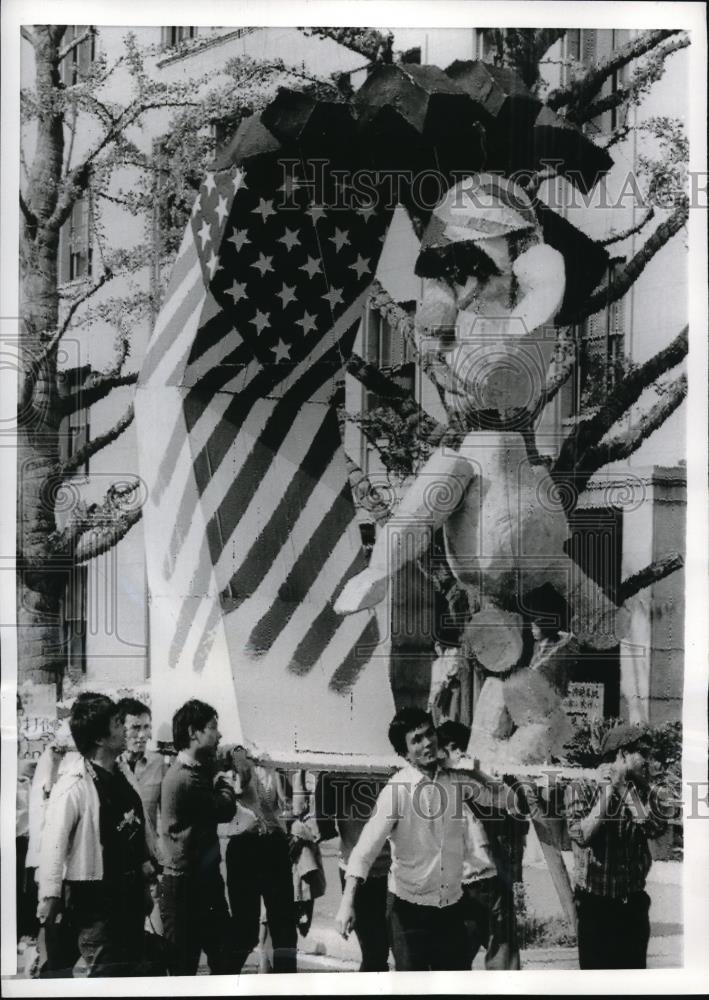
x: 609, y: 825
x: 193, y: 801
x: 94, y: 842
x: 421, y: 812
x: 488, y: 897
x: 147, y: 767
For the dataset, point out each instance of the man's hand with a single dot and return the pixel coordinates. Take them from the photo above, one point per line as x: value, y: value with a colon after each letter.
x: 48, y: 909
x: 344, y: 919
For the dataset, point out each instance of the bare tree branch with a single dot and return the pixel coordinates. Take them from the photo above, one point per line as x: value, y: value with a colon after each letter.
x: 96, y: 529
x: 97, y: 444
x: 75, y: 42
x: 623, y: 445
x: 629, y: 274
x: 584, y: 88
x: 561, y: 367
x: 537, y: 179
x: 365, y: 494
x: 30, y: 217
x: 98, y: 387
x: 95, y: 541
x: 28, y: 35
x: 402, y: 323
x: 657, y: 570
x: 590, y: 431
x: 642, y: 78
x: 624, y: 234
x: 76, y: 304
x: 77, y: 180
x: 374, y: 45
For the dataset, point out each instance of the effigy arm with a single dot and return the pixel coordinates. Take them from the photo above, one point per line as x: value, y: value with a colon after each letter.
x: 436, y: 492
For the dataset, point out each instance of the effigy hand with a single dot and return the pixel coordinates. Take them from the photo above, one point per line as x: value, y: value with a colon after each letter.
x: 363, y: 591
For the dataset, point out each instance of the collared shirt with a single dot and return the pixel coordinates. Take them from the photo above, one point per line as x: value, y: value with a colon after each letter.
x: 478, y: 862
x: 148, y: 772
x: 425, y: 821
x: 615, y: 862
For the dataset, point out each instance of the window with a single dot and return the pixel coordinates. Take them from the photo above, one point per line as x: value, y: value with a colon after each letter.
x: 77, y: 62
x: 174, y: 35
x: 485, y: 43
x: 601, y: 355
x: 589, y: 46
x: 75, y: 251
x: 75, y: 435
x: 74, y: 619
x: 387, y: 349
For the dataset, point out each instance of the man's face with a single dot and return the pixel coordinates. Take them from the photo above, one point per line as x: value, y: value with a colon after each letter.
x: 207, y: 740
x: 138, y: 732
x: 422, y: 746
x: 637, y: 764
x: 452, y: 754
x: 116, y: 738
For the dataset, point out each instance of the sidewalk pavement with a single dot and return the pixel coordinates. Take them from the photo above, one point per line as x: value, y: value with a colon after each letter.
x: 324, y: 946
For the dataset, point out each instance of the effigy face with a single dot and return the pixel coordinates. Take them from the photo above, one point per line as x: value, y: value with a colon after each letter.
x: 489, y: 283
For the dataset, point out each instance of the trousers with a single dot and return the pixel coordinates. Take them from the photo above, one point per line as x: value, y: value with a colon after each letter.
x: 427, y: 937
x: 613, y: 933
x: 490, y: 923
x: 258, y: 866
x: 370, y: 924
x: 195, y: 919
x: 108, y: 921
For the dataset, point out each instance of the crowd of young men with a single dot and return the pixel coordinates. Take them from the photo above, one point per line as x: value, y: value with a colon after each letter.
x: 421, y: 873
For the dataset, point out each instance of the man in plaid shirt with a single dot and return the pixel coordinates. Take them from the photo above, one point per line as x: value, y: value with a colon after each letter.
x: 610, y: 823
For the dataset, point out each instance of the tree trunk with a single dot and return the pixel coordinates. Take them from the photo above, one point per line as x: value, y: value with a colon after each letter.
x: 41, y: 577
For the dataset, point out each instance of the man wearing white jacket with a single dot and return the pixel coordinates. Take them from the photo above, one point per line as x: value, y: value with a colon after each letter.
x: 94, y: 845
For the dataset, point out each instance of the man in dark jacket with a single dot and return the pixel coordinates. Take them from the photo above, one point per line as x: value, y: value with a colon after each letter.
x: 193, y: 801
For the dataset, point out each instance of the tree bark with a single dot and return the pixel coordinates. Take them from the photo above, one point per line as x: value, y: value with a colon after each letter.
x: 41, y: 577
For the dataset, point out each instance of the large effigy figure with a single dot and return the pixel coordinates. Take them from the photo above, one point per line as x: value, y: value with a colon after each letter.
x: 251, y: 528
x: 491, y: 285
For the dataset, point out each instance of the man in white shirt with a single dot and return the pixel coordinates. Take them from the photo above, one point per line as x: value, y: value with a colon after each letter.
x: 488, y: 897
x: 422, y: 812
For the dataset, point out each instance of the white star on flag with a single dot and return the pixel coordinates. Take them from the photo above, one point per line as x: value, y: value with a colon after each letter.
x: 340, y: 238
x: 213, y: 264
x: 205, y: 233
x: 282, y: 351
x: 334, y: 296
x: 238, y: 181
x: 264, y: 209
x: 261, y: 320
x: 290, y: 238
x: 311, y: 267
x: 263, y: 264
x: 237, y: 291
x: 317, y: 212
x: 367, y: 211
x: 308, y: 322
x: 361, y: 266
x: 238, y: 238
x: 287, y: 294
x: 221, y: 209
x: 209, y: 183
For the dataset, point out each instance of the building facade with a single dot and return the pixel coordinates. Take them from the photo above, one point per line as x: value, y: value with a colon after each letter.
x: 628, y: 515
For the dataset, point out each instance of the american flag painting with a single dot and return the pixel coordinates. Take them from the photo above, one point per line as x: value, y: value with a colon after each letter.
x: 250, y: 524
